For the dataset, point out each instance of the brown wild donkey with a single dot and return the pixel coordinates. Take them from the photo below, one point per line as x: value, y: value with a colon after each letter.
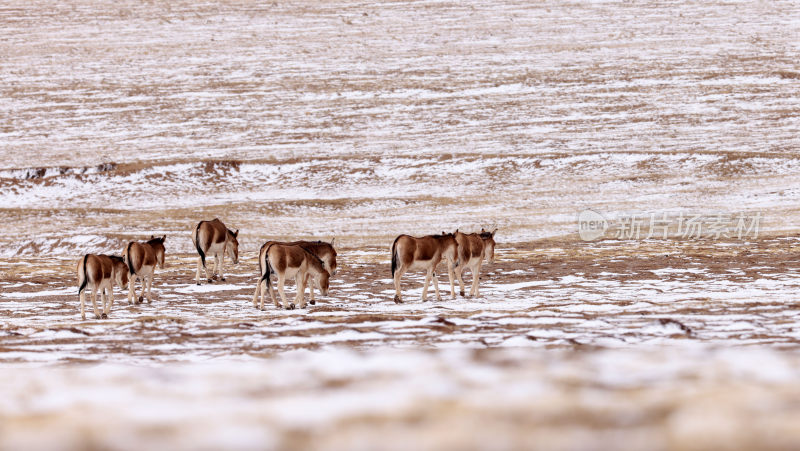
x: 142, y: 259
x: 99, y: 273
x: 287, y: 260
x: 213, y: 238
x: 411, y: 253
x: 322, y: 250
x: 472, y: 248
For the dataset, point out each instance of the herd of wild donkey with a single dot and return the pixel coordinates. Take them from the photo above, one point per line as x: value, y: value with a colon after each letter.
x: 303, y: 260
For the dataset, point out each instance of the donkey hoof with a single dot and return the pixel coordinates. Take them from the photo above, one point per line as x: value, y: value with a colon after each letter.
x: 210, y: 281
x: 222, y: 279
x: 141, y: 299
x: 97, y: 316
x: 462, y: 294
x: 290, y: 307
x: 312, y: 302
x: 198, y: 284
x: 397, y: 300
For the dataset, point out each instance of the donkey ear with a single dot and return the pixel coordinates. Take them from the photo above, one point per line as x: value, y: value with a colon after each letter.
x: 236, y: 233
x: 493, y: 231
x: 332, y: 240
x: 152, y: 237
x: 163, y: 238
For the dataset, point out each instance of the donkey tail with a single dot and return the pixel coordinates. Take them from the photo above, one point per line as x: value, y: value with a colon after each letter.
x: 85, y: 276
x: 131, y: 270
x: 266, y: 268
x: 394, y: 255
x: 463, y: 254
x: 197, y: 244
x: 260, y: 266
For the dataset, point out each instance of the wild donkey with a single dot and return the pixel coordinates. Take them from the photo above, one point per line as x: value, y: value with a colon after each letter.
x: 472, y: 248
x: 213, y: 238
x: 289, y: 260
x: 320, y: 249
x: 99, y: 272
x: 411, y: 253
x: 142, y: 259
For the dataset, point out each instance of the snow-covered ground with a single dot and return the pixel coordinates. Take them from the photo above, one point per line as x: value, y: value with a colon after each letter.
x: 646, y: 398
x: 368, y: 120
x: 308, y: 119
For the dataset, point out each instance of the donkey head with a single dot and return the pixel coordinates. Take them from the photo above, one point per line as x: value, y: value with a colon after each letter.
x: 158, y: 247
x: 328, y: 258
x: 120, y: 271
x: 232, y: 246
x: 450, y: 246
x: 322, y: 278
x: 488, y: 242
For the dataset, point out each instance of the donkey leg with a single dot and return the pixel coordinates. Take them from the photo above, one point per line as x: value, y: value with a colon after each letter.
x: 272, y: 294
x: 300, y: 298
x: 131, y: 289
x: 261, y: 288
x: 143, y: 281
x: 104, y: 299
x: 425, y: 285
x: 436, y: 286
x: 142, y: 291
x: 398, y: 298
x: 83, y: 304
x: 281, y: 280
x: 450, y: 274
x: 209, y: 278
x: 199, y: 266
x: 476, y: 277
x: 149, y: 280
x: 459, y: 270
x: 268, y: 286
x: 110, y: 301
x: 208, y: 263
x: 94, y: 301
x: 310, y: 285
x: 222, y: 267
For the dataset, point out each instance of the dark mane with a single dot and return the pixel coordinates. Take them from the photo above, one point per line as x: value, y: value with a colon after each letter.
x: 486, y: 234
x: 319, y: 260
x: 308, y: 244
x: 155, y: 241
x: 116, y: 258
